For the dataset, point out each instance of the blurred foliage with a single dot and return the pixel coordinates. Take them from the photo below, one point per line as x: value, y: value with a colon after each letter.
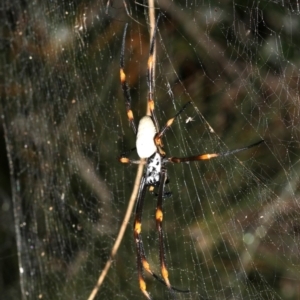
x: 231, y: 225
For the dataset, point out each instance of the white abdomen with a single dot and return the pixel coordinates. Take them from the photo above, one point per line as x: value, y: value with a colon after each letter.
x: 145, y: 145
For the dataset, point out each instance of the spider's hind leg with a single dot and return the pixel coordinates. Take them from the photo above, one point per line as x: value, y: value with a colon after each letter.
x: 159, y: 221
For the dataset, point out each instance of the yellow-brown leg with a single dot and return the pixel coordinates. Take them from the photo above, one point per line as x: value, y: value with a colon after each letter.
x: 169, y: 124
x: 207, y: 156
x: 125, y: 87
x: 159, y: 220
x: 137, y: 229
x: 150, y: 79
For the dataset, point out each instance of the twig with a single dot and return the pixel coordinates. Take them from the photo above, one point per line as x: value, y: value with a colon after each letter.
x: 139, y: 174
x: 121, y: 231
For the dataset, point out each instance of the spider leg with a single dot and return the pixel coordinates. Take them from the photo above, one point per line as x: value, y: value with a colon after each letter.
x: 124, y: 85
x: 142, y: 263
x: 169, y: 124
x: 150, y: 78
x: 159, y: 219
x: 207, y: 156
x: 137, y: 228
x: 126, y: 160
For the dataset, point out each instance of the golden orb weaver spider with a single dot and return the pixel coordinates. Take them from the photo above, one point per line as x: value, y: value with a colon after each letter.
x: 149, y: 146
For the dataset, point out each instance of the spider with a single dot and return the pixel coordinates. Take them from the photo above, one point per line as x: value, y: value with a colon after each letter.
x: 149, y: 146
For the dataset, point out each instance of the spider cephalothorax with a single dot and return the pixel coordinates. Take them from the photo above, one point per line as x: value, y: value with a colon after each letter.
x: 153, y: 169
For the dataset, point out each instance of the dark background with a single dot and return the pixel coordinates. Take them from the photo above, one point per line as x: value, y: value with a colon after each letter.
x: 231, y: 225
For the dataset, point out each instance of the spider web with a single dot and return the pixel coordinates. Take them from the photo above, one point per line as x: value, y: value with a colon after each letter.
x: 231, y: 225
